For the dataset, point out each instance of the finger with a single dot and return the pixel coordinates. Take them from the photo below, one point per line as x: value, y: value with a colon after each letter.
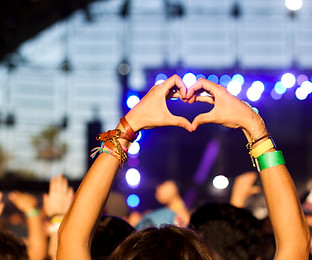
x: 205, y: 99
x: 175, y: 81
x: 255, y: 190
x: 202, y: 119
x: 182, y: 122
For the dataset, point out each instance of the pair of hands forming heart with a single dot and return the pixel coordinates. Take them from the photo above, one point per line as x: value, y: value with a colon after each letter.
x: 228, y: 110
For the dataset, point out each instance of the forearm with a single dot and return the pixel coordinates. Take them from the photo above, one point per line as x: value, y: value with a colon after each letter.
x: 37, y: 241
x: 288, y: 221
x: 79, y: 221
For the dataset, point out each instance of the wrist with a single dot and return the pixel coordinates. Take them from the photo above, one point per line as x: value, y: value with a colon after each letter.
x: 34, y: 212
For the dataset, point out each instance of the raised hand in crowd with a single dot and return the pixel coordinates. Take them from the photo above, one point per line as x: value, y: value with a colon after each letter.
x: 36, y: 241
x: 244, y: 187
x: 55, y: 205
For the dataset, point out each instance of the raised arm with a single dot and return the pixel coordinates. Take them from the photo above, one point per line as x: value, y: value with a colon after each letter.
x: 36, y: 240
x: 75, y: 233
x: 288, y: 221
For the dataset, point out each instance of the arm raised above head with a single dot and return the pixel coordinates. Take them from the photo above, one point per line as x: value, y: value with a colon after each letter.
x: 287, y: 218
x: 75, y: 233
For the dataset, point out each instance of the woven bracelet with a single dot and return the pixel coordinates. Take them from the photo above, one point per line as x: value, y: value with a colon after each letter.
x: 270, y: 159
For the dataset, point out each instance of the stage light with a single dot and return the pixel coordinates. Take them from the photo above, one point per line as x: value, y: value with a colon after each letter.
x: 293, y: 5
x: 301, y: 94
x: 132, y: 101
x: 220, y: 182
x: 301, y: 78
x: 224, y: 80
x: 258, y: 86
x: 161, y: 76
x: 288, y: 80
x: 189, y: 79
x: 133, y: 200
x: 234, y: 87
x: 213, y: 78
x: 134, y: 148
x: 275, y: 95
x: 307, y: 87
x: 279, y: 88
x: 239, y: 78
x: 133, y: 177
x: 200, y: 76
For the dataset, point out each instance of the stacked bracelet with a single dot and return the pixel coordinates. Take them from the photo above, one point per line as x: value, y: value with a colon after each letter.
x: 111, y: 145
x: 270, y: 159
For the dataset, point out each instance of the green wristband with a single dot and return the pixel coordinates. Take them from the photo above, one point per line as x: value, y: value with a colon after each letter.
x: 32, y: 213
x: 270, y: 159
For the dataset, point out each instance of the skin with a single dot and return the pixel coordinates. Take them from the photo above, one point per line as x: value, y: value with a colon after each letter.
x: 290, y: 228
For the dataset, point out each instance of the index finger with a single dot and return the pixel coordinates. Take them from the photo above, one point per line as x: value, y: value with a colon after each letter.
x: 201, y: 84
x: 175, y: 81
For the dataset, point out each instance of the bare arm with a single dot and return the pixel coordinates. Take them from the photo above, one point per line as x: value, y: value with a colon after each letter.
x: 76, y: 229
x: 288, y: 221
x: 36, y: 240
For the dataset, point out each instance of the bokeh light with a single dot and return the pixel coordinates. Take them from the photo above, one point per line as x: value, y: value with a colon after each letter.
x: 293, y: 5
x: 133, y: 177
x: 288, y: 80
x: 161, y: 76
x: 220, y: 182
x: 255, y: 91
x: 239, y: 78
x: 132, y: 101
x: 133, y: 200
x: 234, y: 87
x: 275, y: 95
x: 301, y: 78
x: 224, y: 80
x: 200, y: 76
x: 134, y: 148
x: 189, y: 79
x: 279, y: 88
x: 213, y: 78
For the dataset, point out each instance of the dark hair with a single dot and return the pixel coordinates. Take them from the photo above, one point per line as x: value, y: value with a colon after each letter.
x: 233, y: 233
x: 167, y: 243
x: 109, y: 233
x: 11, y: 247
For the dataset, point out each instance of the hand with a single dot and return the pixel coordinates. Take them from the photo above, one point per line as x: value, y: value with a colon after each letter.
x: 243, y: 188
x: 59, y: 198
x: 1, y: 203
x: 228, y: 110
x: 152, y: 110
x: 23, y: 201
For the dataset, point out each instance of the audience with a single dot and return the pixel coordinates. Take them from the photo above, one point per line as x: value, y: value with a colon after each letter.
x: 77, y: 228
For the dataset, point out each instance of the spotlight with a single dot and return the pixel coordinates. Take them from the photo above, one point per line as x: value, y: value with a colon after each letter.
x: 293, y: 5
x: 214, y: 78
x: 133, y: 177
x: 225, y: 79
x: 220, y: 182
x: 279, y: 88
x: 239, y: 78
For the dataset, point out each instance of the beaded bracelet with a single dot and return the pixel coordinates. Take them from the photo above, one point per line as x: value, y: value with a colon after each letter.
x: 270, y: 159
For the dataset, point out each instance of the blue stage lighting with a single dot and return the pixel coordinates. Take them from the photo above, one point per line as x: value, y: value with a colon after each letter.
x: 213, y: 78
x: 161, y: 76
x: 239, y: 78
x: 279, y: 88
x: 133, y: 177
x: 133, y: 200
x: 225, y: 79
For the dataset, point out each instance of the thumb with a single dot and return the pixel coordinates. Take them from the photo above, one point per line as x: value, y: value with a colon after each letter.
x: 202, y: 119
x: 183, y: 122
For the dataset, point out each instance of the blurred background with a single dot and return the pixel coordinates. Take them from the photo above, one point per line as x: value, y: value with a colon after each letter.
x: 70, y: 69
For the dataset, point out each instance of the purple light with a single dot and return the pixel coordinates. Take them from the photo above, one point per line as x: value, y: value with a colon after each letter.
x: 161, y: 76
x: 275, y: 95
x: 301, y: 78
